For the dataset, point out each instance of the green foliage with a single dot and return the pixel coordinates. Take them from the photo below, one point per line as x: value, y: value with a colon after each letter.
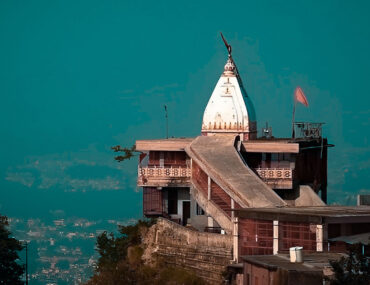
x: 113, y: 249
x: 120, y: 261
x: 10, y: 271
x: 106, y: 246
x: 128, y: 152
x: 353, y: 270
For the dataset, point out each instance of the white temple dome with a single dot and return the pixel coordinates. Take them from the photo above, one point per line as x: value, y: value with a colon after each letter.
x: 230, y: 110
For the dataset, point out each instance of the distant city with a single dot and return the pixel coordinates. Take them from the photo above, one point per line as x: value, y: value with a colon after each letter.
x: 61, y: 251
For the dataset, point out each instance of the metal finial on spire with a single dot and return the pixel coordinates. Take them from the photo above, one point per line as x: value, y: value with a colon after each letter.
x: 230, y: 66
x: 226, y: 44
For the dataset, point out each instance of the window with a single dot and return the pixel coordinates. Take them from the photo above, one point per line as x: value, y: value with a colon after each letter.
x: 200, y: 211
x: 154, y: 157
x: 172, y: 201
x: 152, y: 201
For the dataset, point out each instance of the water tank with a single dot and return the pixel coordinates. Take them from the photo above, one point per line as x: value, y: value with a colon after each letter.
x: 296, y: 254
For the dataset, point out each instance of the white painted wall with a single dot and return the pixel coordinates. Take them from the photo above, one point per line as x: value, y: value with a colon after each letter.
x: 227, y: 106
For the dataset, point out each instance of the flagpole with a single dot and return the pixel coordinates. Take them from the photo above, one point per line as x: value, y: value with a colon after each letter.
x: 295, y: 103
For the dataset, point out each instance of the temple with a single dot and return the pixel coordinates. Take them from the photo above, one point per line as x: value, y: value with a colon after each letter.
x: 268, y: 193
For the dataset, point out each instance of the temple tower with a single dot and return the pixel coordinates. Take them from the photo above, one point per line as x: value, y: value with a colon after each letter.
x: 229, y: 110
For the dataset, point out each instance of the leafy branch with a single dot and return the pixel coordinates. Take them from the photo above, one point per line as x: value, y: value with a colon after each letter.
x: 128, y: 152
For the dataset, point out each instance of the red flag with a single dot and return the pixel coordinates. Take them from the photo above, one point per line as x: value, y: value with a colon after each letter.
x: 299, y: 96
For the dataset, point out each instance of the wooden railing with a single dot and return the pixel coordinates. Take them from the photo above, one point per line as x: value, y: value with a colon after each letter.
x: 275, y: 173
x: 163, y: 176
x: 165, y: 171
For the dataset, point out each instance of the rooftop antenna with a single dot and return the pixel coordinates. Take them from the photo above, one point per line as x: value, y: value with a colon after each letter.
x: 166, y: 115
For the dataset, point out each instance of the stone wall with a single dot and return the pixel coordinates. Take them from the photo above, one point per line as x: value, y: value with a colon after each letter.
x: 206, y: 254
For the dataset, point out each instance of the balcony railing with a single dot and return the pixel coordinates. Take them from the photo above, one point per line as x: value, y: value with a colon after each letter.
x: 165, y: 171
x: 275, y: 173
x: 163, y: 176
x: 276, y: 178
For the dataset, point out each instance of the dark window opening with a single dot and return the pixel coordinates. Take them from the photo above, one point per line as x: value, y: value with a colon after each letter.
x: 185, y: 212
x: 172, y: 201
x: 152, y: 201
x: 200, y: 211
x: 154, y: 157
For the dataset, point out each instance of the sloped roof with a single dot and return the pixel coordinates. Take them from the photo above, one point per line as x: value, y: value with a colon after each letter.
x: 217, y: 156
x: 360, y: 238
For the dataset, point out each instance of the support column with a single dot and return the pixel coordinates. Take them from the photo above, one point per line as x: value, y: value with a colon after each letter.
x: 275, y: 237
x: 209, y: 188
x: 210, y: 219
x: 161, y: 159
x: 235, y: 240
x: 232, y: 208
x: 319, y: 238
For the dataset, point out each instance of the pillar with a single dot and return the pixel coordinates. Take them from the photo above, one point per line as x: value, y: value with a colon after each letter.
x: 319, y: 238
x: 209, y: 188
x: 235, y: 240
x: 275, y: 237
x: 232, y: 208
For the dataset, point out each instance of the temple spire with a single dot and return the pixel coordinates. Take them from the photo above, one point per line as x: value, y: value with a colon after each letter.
x: 229, y: 110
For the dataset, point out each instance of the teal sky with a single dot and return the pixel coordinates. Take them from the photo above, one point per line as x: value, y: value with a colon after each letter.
x: 77, y: 77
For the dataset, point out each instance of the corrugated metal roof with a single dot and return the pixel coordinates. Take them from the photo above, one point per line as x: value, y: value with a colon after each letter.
x: 360, y: 238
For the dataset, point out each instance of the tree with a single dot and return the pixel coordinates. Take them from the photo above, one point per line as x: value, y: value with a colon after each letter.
x: 10, y: 271
x: 120, y: 261
x: 113, y: 249
x: 352, y: 270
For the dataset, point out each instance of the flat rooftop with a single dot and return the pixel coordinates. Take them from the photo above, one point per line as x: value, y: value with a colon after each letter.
x: 312, y: 262
x: 273, y: 145
x: 308, y: 214
x: 171, y: 144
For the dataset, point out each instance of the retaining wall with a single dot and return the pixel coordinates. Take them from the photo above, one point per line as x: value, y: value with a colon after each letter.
x: 206, y: 254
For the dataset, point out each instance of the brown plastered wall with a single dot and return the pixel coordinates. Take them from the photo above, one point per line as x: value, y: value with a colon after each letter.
x: 255, y: 237
x: 263, y: 276
x: 297, y: 234
x: 200, y: 177
x: 220, y: 198
x: 206, y: 254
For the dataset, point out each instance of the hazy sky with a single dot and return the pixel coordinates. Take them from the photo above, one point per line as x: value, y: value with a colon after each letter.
x: 77, y: 77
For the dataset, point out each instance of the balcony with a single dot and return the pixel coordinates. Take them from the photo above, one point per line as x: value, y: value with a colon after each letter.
x: 276, y: 178
x: 164, y: 176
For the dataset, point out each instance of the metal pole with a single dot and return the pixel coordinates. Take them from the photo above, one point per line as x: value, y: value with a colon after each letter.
x: 165, y: 109
x: 293, y: 132
x: 26, y: 263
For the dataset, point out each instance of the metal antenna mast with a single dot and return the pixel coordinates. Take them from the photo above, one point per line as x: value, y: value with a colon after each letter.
x: 165, y: 109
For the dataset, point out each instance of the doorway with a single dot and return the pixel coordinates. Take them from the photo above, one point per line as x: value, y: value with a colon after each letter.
x: 185, y: 212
